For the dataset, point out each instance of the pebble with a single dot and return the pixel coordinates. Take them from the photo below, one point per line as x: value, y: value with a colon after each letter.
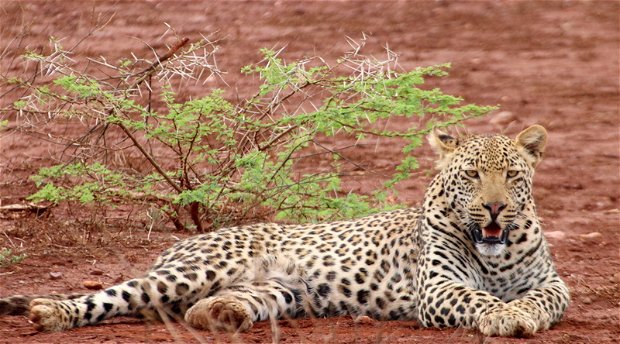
x: 55, y: 275
x: 502, y: 118
x: 364, y: 320
x: 615, y: 278
x: 591, y: 235
x: 586, y: 300
x: 92, y: 285
x: 96, y: 272
x: 559, y: 235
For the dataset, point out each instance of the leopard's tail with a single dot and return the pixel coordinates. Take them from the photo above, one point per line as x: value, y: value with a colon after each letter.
x: 20, y: 304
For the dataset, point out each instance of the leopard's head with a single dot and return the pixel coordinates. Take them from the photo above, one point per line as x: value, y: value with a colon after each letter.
x: 487, y: 181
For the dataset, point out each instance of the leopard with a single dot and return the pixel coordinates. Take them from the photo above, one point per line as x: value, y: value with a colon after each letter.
x: 473, y: 255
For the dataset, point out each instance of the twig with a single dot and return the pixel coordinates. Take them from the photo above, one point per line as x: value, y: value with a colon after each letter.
x: 146, y: 73
x: 149, y: 70
x: 149, y: 158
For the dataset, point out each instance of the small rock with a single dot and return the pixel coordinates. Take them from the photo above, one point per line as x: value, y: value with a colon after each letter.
x: 502, y: 118
x: 92, y: 285
x: 96, y: 272
x: 592, y: 235
x: 586, y: 300
x: 615, y: 278
x: 364, y: 320
x: 55, y: 275
x: 572, y: 186
x: 559, y: 235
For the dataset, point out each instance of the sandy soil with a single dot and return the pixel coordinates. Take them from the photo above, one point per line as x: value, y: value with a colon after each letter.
x: 548, y: 62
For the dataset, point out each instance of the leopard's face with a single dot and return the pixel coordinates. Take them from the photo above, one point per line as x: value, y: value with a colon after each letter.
x: 489, y: 185
x: 487, y: 182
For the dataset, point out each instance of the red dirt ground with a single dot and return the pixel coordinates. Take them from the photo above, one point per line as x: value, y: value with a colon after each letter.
x: 548, y: 62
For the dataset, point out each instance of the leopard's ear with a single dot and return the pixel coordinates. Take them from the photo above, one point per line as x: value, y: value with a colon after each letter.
x: 531, y: 143
x: 444, y: 145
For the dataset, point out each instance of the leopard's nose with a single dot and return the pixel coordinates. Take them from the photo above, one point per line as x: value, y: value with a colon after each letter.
x: 494, y: 208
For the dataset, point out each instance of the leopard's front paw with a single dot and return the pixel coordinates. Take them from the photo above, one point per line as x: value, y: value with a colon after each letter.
x: 540, y: 316
x: 507, y: 321
x: 47, y: 315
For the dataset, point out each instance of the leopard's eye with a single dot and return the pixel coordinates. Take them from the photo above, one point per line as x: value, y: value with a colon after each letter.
x: 472, y: 174
x: 512, y: 173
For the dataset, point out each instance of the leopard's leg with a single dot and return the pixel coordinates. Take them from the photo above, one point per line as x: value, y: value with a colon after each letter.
x: 275, y: 288
x: 236, y: 308
x: 455, y: 305
x: 546, y: 305
x: 166, y: 289
x: 124, y: 299
x: 172, y: 288
x: 452, y: 304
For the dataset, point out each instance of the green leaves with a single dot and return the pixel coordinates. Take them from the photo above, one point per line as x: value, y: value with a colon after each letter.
x: 78, y: 182
x: 81, y: 86
x: 187, y: 126
x: 8, y: 258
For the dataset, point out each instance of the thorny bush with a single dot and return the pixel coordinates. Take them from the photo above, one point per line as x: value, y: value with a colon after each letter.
x: 210, y: 161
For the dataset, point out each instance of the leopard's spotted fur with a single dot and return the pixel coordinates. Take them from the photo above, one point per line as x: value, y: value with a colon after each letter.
x: 473, y: 256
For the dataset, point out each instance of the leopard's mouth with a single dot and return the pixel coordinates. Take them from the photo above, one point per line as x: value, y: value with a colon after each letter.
x: 491, y: 234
